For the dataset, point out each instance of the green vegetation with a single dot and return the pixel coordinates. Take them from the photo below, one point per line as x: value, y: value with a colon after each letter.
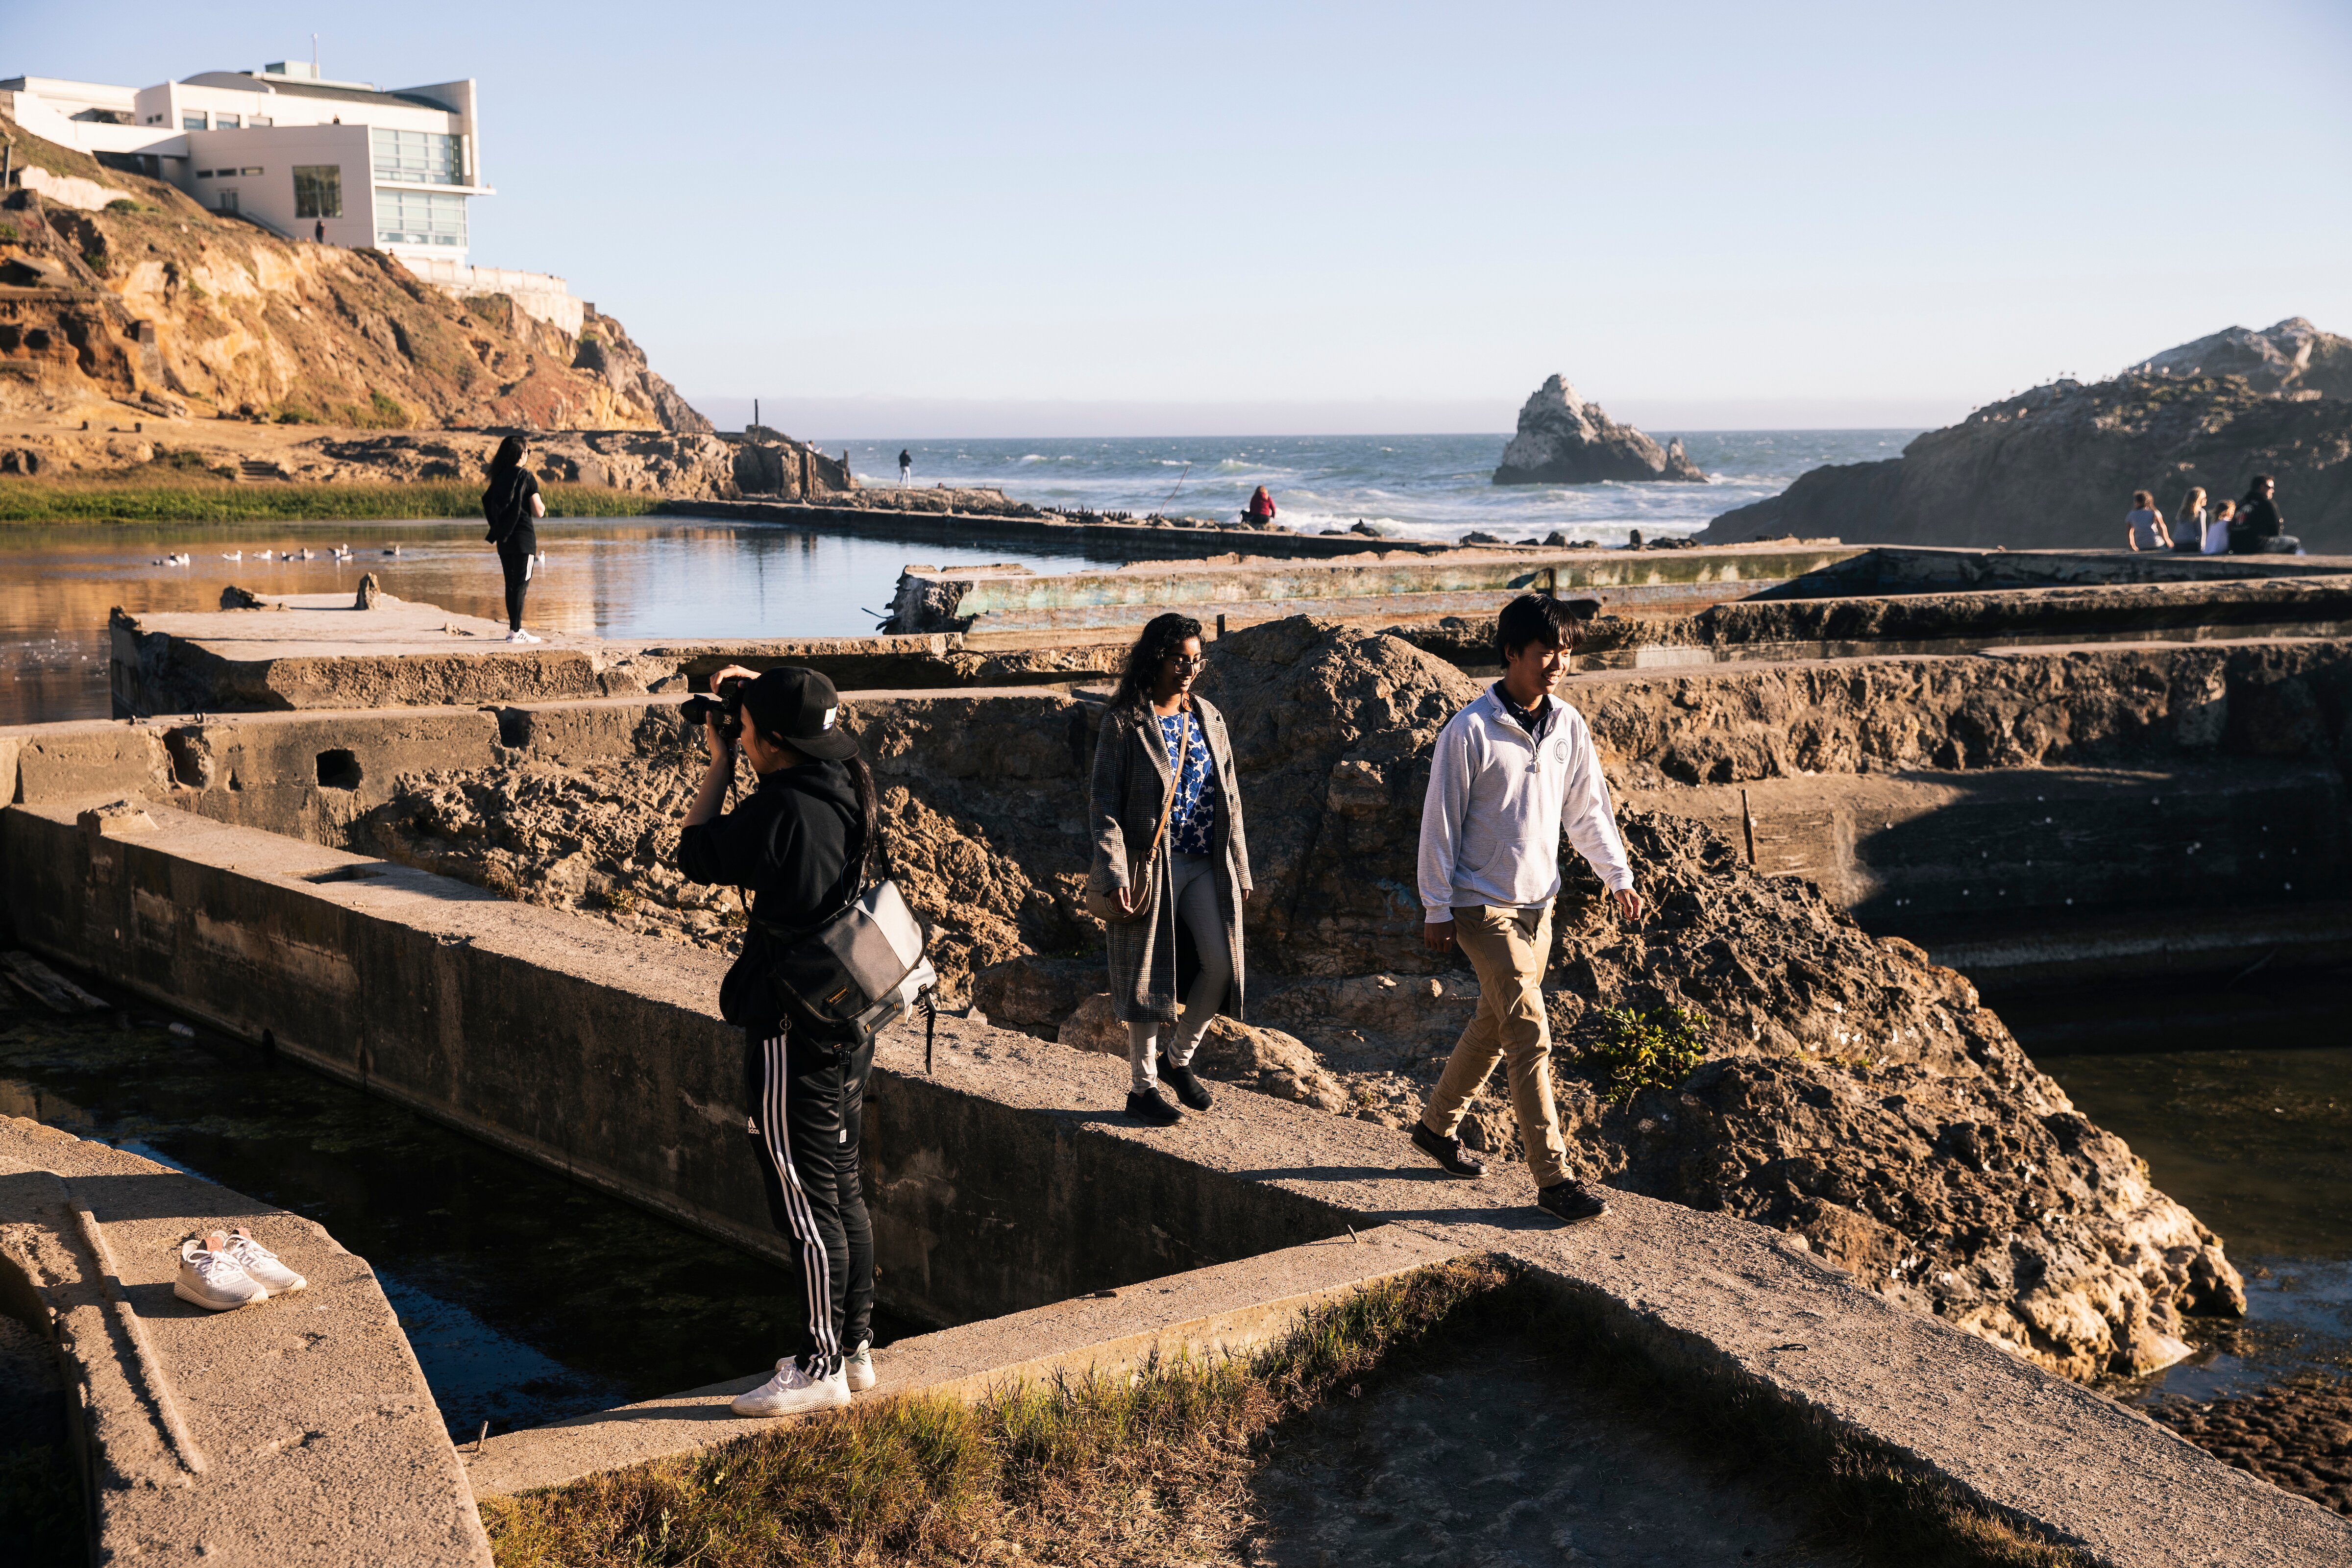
x: 1639, y: 1050
x: 123, y: 204
x: 1156, y: 1468
x: 179, y: 494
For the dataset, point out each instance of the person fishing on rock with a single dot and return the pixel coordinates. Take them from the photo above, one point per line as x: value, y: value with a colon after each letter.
x: 1510, y: 773
x: 1170, y: 865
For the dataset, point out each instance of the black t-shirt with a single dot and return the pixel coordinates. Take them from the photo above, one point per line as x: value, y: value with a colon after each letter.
x: 505, y: 505
x: 789, y: 845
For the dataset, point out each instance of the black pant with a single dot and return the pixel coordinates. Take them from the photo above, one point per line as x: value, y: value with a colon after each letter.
x: 808, y: 1105
x: 515, y: 552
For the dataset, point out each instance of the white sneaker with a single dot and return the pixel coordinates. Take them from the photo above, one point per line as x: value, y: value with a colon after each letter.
x: 519, y: 635
x: 858, y: 1367
x: 213, y: 1280
x: 792, y: 1392
x: 261, y: 1264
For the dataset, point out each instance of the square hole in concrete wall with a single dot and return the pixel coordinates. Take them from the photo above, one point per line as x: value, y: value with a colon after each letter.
x: 337, y: 770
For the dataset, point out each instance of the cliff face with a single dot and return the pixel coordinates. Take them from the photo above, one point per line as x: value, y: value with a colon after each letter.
x: 155, y: 302
x: 2054, y: 468
x: 1563, y: 439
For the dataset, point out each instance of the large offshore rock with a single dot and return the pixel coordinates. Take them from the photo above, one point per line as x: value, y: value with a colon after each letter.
x: 2055, y: 468
x: 1563, y: 439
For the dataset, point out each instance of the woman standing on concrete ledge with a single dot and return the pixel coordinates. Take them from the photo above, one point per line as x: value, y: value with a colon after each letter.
x: 2143, y: 525
x: 1171, y: 866
x: 511, y: 505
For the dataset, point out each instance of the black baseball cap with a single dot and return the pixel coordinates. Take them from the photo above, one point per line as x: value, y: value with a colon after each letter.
x: 802, y: 707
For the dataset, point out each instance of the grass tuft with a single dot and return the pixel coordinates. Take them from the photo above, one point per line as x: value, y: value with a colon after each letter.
x: 1156, y: 1467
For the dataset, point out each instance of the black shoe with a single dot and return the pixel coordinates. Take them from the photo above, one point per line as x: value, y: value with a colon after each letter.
x: 1447, y: 1152
x: 1571, y: 1201
x: 1145, y: 1105
x: 1187, y: 1084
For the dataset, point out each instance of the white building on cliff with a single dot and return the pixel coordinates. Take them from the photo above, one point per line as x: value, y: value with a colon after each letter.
x: 335, y: 162
x: 308, y: 158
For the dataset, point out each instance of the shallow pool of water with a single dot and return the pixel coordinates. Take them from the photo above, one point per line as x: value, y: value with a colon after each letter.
x: 636, y: 577
x: 526, y: 1297
x: 2240, y: 1099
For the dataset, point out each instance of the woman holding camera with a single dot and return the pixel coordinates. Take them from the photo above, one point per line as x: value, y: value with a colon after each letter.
x: 799, y: 844
x: 1171, y: 866
x: 512, y: 507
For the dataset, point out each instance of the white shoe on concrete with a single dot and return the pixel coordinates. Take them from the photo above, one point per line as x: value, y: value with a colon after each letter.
x: 261, y: 1264
x: 792, y: 1392
x: 519, y: 635
x: 213, y: 1280
x: 858, y: 1367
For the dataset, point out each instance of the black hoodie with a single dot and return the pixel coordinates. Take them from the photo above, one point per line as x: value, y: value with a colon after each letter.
x: 789, y: 847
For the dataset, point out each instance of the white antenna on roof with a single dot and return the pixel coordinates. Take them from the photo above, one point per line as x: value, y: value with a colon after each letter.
x: 314, y: 57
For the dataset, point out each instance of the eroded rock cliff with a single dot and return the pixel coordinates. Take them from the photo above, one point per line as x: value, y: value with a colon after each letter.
x: 155, y: 302
x: 2055, y: 468
x: 1563, y: 439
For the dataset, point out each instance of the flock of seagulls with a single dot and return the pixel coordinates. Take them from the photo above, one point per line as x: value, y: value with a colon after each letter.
x: 339, y: 552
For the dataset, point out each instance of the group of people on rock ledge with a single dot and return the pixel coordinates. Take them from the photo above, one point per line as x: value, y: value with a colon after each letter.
x: 1170, y: 879
x: 1171, y: 876
x: 2248, y: 527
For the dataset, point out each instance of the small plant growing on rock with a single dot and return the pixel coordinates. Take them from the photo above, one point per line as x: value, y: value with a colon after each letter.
x: 1637, y: 1050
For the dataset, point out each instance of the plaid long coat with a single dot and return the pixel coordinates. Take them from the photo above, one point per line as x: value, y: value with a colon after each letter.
x: 1132, y: 781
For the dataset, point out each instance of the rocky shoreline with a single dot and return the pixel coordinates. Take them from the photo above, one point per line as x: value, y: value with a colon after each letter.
x: 1851, y: 1091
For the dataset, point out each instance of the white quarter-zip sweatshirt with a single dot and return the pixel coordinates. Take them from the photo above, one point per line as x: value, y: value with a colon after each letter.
x: 1498, y: 799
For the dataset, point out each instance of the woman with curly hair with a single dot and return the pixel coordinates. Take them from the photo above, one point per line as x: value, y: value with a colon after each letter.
x: 1170, y: 865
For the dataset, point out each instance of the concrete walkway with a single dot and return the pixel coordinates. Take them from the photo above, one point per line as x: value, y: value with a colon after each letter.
x: 296, y: 1431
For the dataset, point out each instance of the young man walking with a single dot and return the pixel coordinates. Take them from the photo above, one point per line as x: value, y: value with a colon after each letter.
x: 1511, y: 771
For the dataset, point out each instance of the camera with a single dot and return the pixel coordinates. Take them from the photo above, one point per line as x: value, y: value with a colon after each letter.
x: 726, y: 708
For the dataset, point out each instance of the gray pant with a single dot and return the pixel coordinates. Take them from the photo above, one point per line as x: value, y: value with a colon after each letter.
x: 1193, y: 884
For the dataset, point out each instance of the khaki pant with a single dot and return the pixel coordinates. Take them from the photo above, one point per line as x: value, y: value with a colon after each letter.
x: 1507, y: 948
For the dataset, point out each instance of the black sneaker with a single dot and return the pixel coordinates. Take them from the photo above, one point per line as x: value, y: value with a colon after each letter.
x: 1571, y: 1201
x: 1187, y: 1084
x: 1447, y: 1152
x: 1145, y: 1105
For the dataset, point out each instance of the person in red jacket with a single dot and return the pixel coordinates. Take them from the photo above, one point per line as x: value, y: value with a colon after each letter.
x: 1261, y: 508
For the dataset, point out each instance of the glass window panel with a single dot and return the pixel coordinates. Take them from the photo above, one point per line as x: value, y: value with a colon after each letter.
x: 192, y: 123
x: 417, y: 157
x: 419, y: 218
x: 225, y: 122
x: 318, y: 190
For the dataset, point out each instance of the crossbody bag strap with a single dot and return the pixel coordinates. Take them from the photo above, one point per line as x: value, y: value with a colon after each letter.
x: 1168, y: 807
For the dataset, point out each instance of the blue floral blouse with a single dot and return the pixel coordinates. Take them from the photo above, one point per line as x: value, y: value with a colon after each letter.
x: 1193, y: 822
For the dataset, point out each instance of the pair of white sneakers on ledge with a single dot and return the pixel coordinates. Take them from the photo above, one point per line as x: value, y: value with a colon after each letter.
x: 230, y: 1268
x: 796, y: 1390
x: 519, y: 635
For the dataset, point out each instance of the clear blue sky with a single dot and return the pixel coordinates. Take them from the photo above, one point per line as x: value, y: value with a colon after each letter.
x: 939, y: 220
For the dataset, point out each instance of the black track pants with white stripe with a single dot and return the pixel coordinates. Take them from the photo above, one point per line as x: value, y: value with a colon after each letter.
x: 807, y: 1104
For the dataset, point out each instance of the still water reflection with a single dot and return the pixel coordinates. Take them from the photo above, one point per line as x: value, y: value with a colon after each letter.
x: 527, y: 1298
x: 2240, y: 1099
x: 669, y: 577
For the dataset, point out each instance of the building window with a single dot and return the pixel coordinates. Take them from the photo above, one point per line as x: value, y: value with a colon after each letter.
x: 318, y: 190
x: 192, y: 123
x: 262, y: 119
x: 248, y: 170
x: 419, y: 218
x: 417, y: 157
x: 225, y: 122
x: 203, y: 174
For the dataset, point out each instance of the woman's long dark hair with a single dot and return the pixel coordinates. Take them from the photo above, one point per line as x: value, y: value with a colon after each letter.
x: 509, y: 454
x: 1163, y: 638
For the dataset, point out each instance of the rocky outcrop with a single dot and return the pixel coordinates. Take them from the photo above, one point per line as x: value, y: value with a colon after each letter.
x: 2292, y: 357
x: 1851, y: 1091
x: 2054, y: 468
x: 155, y: 302
x: 1564, y: 440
